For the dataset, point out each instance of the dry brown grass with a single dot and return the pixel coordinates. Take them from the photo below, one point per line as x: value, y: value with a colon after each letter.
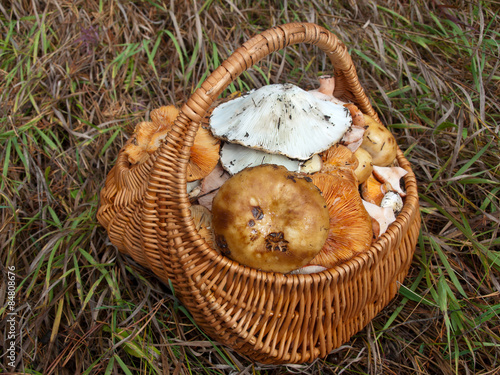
x: 76, y: 76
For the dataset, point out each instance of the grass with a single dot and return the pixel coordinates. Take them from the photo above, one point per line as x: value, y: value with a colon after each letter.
x: 76, y: 77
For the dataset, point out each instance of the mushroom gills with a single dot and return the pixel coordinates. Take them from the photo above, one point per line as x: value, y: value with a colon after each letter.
x: 234, y: 158
x: 350, y: 230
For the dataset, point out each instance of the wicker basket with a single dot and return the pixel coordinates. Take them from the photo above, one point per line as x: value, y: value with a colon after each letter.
x: 270, y: 317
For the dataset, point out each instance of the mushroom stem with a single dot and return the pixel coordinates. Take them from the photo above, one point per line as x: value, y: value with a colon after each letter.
x: 365, y: 165
x: 326, y: 85
x: 358, y: 118
x: 325, y: 90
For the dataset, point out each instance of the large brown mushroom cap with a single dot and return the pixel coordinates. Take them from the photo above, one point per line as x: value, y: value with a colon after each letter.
x: 350, y: 225
x: 269, y: 218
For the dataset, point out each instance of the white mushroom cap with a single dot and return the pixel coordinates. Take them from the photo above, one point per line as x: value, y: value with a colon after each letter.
x: 234, y: 158
x: 281, y: 119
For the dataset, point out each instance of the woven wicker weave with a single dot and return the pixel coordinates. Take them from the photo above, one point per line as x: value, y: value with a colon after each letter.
x: 270, y: 317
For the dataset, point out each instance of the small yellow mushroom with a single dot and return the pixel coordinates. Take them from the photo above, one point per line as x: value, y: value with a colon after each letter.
x: 379, y: 142
x: 365, y: 165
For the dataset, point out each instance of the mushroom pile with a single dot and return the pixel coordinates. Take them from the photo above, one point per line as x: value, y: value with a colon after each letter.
x: 286, y: 180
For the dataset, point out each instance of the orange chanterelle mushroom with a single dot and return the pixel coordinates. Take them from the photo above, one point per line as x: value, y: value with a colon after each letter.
x: 340, y: 161
x: 350, y: 225
x: 148, y: 136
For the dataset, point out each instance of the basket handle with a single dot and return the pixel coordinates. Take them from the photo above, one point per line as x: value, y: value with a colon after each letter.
x: 167, y: 185
x: 264, y: 44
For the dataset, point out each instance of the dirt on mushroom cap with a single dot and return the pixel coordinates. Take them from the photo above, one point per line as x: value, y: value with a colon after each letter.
x: 270, y: 219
